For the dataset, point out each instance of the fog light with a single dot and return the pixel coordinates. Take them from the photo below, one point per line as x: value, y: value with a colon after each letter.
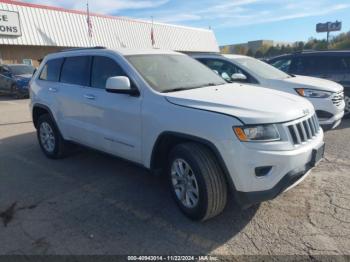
x: 324, y: 115
x: 262, y: 171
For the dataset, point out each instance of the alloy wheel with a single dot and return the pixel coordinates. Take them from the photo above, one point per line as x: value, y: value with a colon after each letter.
x: 47, y: 137
x: 184, y: 183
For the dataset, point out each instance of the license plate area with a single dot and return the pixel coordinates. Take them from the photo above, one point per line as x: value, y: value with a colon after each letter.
x: 317, y: 155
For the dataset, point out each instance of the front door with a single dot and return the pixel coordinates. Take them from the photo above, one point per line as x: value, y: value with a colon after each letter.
x: 114, y: 119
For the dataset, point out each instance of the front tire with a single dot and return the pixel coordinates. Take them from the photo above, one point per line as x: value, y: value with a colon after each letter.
x: 197, y: 181
x: 51, y: 141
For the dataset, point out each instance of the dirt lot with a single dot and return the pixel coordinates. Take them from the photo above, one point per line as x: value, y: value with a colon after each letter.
x: 91, y: 203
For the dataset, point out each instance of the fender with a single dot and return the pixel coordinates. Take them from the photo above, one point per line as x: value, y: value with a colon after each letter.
x: 46, y: 108
x: 200, y: 140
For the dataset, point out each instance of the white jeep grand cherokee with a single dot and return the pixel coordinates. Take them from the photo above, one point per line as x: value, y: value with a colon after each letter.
x: 166, y: 111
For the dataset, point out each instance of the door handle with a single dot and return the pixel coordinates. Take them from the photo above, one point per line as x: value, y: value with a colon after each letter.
x: 90, y: 97
x: 53, y: 90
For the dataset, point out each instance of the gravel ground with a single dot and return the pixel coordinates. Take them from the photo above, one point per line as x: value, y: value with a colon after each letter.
x: 91, y: 203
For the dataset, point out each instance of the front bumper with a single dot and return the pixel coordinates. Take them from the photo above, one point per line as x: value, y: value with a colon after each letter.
x: 242, y: 161
x: 291, y: 179
x: 329, y: 114
x: 332, y: 122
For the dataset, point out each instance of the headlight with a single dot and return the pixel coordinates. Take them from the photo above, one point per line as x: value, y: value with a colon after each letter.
x: 313, y: 93
x: 260, y: 133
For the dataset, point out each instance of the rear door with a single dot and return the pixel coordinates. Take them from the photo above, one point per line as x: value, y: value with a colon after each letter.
x: 74, y: 79
x: 114, y: 119
x: 310, y: 65
x: 339, y: 69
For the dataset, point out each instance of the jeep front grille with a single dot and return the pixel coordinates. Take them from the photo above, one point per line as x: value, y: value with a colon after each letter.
x: 338, y: 98
x: 304, y: 130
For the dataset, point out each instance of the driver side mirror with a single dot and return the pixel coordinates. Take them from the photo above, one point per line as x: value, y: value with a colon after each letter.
x: 239, y: 77
x: 120, y: 85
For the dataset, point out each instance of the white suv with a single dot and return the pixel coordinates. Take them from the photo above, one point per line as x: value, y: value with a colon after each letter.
x: 166, y: 111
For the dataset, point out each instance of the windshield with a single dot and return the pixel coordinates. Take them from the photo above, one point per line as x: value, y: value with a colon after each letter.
x: 22, y: 69
x: 261, y: 68
x: 172, y: 72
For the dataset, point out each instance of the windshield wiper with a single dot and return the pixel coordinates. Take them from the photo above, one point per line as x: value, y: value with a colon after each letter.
x: 192, y: 87
x: 175, y: 89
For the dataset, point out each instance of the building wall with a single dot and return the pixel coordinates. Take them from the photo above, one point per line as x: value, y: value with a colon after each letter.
x: 52, y: 26
x: 11, y: 54
x: 255, y: 45
x: 252, y: 45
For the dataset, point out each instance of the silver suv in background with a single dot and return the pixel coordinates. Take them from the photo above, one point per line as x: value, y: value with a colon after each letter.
x: 331, y: 65
x: 326, y: 96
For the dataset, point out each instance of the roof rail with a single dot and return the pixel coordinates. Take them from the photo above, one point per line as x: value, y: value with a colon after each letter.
x: 305, y: 51
x: 83, y: 48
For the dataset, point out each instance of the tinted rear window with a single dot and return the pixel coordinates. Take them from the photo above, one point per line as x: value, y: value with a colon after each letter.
x: 51, y: 71
x: 339, y: 63
x: 311, y: 64
x: 76, y: 70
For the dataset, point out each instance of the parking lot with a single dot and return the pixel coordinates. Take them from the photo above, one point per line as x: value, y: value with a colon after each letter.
x: 92, y: 203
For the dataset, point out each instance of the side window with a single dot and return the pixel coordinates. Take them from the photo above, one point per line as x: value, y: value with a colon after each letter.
x: 226, y: 69
x: 5, y: 70
x: 311, y: 65
x: 51, y: 70
x: 76, y: 70
x: 222, y: 68
x: 282, y: 64
x: 339, y: 64
x: 102, y: 69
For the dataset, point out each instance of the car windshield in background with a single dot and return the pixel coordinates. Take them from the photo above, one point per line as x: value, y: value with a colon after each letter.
x: 167, y: 73
x: 22, y: 69
x: 262, y: 69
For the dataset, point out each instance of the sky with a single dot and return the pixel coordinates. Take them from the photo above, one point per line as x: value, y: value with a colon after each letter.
x: 233, y: 21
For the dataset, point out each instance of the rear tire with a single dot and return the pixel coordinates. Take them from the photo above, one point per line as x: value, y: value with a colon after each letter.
x: 50, y: 139
x: 197, y: 182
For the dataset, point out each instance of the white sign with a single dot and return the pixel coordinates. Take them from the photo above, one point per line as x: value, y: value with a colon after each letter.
x: 9, y: 23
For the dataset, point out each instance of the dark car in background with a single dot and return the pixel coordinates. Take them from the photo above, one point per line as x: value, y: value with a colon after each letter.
x: 332, y: 65
x: 14, y: 79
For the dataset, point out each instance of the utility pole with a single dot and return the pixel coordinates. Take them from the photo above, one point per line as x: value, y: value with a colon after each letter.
x: 328, y: 39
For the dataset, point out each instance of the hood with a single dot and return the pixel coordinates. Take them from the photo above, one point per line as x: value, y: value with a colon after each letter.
x: 312, y: 83
x: 251, y: 104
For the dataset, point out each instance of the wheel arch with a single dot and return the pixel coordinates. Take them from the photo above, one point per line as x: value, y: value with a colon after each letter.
x: 168, y: 139
x: 39, y: 110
